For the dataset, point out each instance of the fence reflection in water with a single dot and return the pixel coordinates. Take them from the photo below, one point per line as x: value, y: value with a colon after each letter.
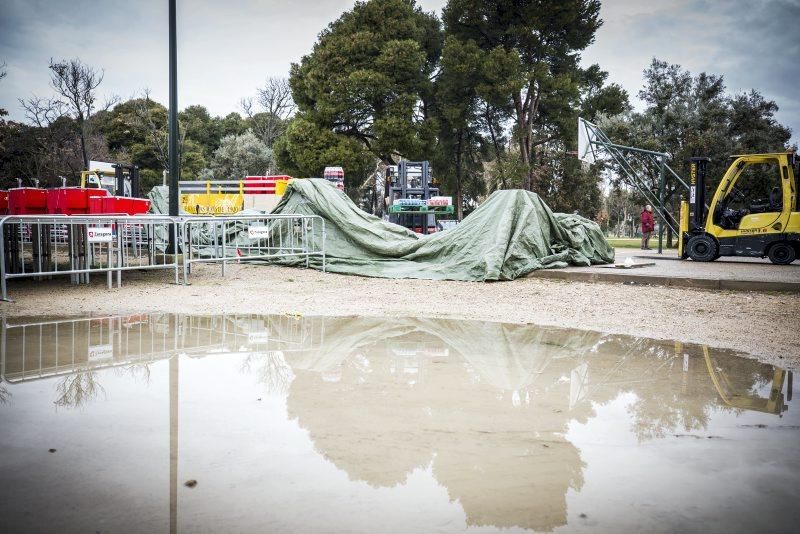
x: 41, y: 349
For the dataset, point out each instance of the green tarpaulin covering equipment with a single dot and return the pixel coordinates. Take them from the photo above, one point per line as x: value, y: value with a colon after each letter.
x: 511, y: 234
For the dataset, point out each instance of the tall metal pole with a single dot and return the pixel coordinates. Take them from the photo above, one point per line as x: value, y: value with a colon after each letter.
x: 174, y: 158
x: 174, y: 397
x: 661, y: 188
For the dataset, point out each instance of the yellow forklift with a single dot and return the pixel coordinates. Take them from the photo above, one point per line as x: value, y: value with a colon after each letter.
x: 116, y: 178
x: 754, y: 212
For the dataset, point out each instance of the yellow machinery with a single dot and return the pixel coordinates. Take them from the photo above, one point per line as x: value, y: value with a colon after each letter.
x: 120, y: 179
x: 754, y: 211
x: 772, y: 404
x: 97, y: 180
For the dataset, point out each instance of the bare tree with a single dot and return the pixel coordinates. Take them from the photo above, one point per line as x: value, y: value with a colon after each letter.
x: 76, y: 84
x: 42, y: 112
x: 3, y: 73
x: 271, y: 109
x: 157, y: 134
x: 52, y: 147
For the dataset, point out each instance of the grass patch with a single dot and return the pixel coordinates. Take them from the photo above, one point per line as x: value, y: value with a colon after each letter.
x: 626, y: 242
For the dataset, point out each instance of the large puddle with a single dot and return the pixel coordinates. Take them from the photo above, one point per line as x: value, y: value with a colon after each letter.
x: 291, y: 424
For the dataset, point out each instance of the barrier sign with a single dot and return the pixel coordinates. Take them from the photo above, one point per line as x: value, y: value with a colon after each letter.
x: 257, y: 232
x: 212, y: 203
x: 100, y: 234
x: 99, y: 353
x: 258, y: 337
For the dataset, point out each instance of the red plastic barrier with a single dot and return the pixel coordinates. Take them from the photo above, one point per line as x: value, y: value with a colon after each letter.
x: 27, y: 201
x: 3, y: 202
x: 262, y: 185
x: 118, y: 205
x: 72, y: 200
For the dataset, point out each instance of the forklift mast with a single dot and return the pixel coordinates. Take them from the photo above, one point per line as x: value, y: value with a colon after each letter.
x: 413, y: 181
x: 119, y: 175
x: 697, y: 193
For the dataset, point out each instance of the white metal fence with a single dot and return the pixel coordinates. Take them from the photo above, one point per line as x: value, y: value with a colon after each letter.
x: 43, y: 246
x: 237, y: 238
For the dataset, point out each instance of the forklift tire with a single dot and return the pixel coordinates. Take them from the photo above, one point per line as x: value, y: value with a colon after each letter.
x: 702, y: 248
x: 782, y: 253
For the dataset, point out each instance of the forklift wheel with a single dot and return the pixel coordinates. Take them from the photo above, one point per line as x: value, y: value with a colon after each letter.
x: 782, y: 254
x: 702, y: 248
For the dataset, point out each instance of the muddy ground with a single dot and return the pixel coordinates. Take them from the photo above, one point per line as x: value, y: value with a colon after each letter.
x: 764, y: 325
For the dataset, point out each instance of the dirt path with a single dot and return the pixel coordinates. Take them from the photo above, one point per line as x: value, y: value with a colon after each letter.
x: 764, y: 325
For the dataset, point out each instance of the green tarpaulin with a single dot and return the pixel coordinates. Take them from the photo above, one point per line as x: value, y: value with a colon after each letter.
x: 511, y: 234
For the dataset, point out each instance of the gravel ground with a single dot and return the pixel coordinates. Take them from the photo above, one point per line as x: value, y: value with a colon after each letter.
x: 761, y: 324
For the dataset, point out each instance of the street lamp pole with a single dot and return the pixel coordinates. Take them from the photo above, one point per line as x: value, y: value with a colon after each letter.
x: 174, y: 159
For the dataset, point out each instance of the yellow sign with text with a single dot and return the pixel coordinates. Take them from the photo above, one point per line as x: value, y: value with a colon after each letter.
x: 212, y: 203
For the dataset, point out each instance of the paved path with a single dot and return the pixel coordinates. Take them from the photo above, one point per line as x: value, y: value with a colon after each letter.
x: 743, y: 274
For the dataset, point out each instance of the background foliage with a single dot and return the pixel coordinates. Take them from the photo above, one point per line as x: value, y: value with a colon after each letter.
x: 490, y: 93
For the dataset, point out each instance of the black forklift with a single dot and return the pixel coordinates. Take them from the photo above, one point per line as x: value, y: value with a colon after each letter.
x: 408, y: 190
x: 125, y: 181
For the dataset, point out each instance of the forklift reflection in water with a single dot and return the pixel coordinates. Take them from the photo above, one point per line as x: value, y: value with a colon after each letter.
x: 754, y: 212
x: 773, y: 404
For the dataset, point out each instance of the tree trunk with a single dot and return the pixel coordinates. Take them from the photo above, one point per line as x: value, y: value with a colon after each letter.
x: 496, y: 148
x: 83, y: 147
x: 459, y: 204
x: 525, y: 157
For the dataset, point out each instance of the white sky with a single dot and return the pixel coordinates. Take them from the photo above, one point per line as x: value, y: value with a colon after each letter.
x: 227, y: 48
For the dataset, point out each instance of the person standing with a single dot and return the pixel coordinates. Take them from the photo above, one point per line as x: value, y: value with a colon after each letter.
x: 648, y: 225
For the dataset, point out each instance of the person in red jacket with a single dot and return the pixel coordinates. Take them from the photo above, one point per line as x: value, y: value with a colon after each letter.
x: 648, y: 225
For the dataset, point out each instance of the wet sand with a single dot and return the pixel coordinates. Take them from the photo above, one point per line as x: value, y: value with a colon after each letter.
x: 761, y: 324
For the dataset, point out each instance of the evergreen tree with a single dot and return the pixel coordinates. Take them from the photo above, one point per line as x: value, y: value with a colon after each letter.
x: 368, y: 79
x: 531, y: 64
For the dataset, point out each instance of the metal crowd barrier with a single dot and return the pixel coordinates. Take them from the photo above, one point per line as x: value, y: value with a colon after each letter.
x: 239, y: 187
x: 42, y: 246
x: 239, y: 238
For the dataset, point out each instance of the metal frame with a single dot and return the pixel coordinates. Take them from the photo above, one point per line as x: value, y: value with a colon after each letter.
x: 282, y: 240
x: 231, y: 187
x: 630, y: 162
x: 402, y: 189
x: 54, y: 348
x: 39, y: 246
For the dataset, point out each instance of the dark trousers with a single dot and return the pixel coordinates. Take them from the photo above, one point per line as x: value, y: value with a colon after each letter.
x: 646, y: 239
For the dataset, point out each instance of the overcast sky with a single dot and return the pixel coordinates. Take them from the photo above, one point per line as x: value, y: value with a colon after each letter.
x: 226, y: 48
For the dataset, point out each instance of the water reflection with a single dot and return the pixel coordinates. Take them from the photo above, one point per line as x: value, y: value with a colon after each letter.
x: 485, y: 406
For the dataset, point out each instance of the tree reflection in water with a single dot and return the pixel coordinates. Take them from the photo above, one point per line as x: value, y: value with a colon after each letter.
x: 488, y: 405
x: 271, y: 369
x: 485, y: 406
x: 77, y: 389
